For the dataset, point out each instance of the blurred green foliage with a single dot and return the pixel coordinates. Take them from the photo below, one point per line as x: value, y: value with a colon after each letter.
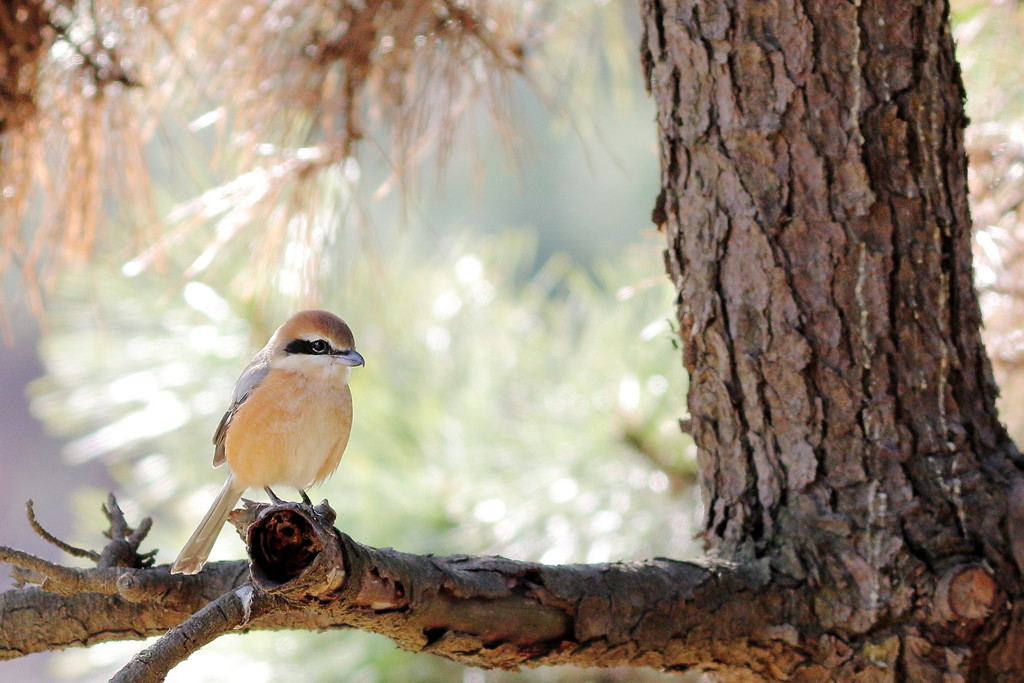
x: 984, y: 29
x: 503, y: 409
x: 987, y: 33
x: 489, y: 389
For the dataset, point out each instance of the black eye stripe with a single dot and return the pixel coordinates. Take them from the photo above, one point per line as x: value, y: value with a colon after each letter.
x: 316, y: 347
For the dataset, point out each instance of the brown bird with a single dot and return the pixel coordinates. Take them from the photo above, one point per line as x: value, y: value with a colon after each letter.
x: 288, y: 423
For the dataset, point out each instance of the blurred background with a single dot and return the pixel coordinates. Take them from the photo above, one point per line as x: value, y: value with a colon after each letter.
x: 489, y: 243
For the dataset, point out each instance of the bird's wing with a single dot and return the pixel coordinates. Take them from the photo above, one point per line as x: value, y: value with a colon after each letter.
x: 249, y: 380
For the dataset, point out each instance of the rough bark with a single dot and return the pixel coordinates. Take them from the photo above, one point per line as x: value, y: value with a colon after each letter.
x: 814, y: 202
x: 484, y: 611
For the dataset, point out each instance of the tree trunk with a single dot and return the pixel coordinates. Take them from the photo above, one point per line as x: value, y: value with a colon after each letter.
x: 814, y: 201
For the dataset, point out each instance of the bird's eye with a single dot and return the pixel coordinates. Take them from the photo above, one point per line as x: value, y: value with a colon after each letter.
x: 319, y: 346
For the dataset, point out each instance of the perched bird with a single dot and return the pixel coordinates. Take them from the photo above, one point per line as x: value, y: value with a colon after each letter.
x: 288, y: 423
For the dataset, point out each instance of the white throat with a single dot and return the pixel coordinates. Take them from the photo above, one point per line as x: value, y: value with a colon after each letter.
x: 321, y: 368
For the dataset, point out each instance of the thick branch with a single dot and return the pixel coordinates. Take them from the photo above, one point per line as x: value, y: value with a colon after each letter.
x: 484, y: 611
x: 138, y: 604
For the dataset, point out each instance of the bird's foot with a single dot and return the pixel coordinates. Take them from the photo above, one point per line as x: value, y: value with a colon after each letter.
x: 305, y: 498
x: 273, y: 496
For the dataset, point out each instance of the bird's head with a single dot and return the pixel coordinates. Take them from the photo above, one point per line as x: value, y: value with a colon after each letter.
x: 313, y: 342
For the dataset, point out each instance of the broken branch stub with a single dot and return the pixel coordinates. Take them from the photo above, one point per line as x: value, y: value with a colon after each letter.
x: 294, y: 551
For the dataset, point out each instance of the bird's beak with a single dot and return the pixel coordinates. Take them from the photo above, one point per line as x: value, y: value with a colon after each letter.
x: 350, y: 357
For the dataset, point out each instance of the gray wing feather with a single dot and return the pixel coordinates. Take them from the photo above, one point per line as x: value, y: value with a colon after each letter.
x: 249, y: 380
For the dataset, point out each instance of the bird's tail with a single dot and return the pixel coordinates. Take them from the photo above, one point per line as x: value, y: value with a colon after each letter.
x: 193, y: 556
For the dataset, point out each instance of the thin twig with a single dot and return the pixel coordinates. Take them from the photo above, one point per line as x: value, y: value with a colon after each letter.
x: 510, y: 59
x: 53, y: 540
x: 136, y: 537
x: 115, y: 518
x: 123, y: 549
x: 679, y: 478
x: 60, y: 579
x: 226, y: 613
x: 26, y: 577
x: 103, y: 75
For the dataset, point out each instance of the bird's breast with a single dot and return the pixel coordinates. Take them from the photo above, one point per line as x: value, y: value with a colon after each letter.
x: 291, y: 430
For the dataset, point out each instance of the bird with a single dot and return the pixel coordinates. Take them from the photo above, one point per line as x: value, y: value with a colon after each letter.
x: 288, y: 422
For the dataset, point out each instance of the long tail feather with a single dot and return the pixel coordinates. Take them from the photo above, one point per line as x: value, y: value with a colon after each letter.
x: 193, y: 556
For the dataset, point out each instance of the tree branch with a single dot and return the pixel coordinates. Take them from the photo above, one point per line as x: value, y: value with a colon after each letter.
x: 483, y: 611
x: 229, y: 611
x: 53, y: 540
